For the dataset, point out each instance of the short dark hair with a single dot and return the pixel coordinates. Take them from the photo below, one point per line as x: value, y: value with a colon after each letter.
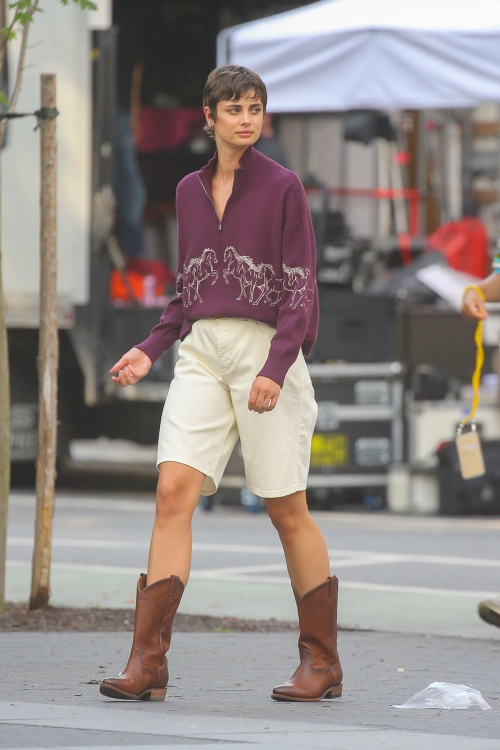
x: 229, y: 83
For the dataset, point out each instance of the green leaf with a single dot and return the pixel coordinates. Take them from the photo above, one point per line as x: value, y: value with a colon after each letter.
x: 24, y: 13
x: 84, y: 4
x: 10, y: 34
x: 3, y: 98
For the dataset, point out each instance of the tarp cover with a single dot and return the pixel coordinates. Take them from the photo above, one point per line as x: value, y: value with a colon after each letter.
x: 373, y: 54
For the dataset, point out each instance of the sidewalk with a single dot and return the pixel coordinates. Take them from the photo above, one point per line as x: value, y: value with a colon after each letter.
x: 219, y: 693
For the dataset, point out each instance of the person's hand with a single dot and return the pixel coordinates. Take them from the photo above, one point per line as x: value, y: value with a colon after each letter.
x: 133, y: 366
x: 473, y: 306
x: 264, y: 395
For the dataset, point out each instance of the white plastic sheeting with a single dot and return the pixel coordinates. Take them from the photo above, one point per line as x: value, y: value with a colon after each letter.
x: 373, y: 54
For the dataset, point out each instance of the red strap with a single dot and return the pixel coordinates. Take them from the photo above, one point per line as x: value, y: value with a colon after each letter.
x: 405, y: 248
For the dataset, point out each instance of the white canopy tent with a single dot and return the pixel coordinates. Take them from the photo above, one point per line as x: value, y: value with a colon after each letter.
x: 336, y: 55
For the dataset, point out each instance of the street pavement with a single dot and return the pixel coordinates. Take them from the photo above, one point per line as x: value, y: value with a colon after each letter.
x: 408, y: 608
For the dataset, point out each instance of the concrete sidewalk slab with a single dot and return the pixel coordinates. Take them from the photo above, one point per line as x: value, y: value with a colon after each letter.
x: 245, y: 733
x: 220, y: 687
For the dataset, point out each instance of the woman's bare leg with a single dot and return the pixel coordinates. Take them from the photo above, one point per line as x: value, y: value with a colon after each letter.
x: 179, y: 488
x: 303, y: 544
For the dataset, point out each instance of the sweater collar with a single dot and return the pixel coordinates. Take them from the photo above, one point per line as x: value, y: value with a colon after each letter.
x: 253, y: 168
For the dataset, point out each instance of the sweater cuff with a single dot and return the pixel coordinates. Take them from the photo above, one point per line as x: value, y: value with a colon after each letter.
x: 274, y: 371
x: 154, y: 348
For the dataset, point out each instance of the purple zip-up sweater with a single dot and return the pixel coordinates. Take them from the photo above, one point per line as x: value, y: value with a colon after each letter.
x: 258, y: 262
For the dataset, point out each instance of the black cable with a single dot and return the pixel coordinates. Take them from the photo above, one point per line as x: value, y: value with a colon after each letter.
x: 44, y: 113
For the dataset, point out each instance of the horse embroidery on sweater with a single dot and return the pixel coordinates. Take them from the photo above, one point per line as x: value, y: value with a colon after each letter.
x: 179, y: 283
x: 196, y: 271
x: 296, y: 280
x: 252, y: 277
x: 258, y: 282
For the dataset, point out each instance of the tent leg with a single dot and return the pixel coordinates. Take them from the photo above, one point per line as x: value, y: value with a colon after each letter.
x: 422, y: 171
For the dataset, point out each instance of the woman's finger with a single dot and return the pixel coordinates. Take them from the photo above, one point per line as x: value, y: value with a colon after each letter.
x: 129, y: 375
x: 266, y: 405
x: 252, y: 398
x: 123, y: 378
x: 121, y: 363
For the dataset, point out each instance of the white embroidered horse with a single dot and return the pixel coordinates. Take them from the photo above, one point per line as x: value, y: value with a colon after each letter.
x: 296, y: 280
x: 233, y: 261
x: 249, y: 274
x: 260, y: 277
x: 179, y: 282
x: 196, y: 271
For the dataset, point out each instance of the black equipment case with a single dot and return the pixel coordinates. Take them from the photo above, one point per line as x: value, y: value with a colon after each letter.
x: 359, y: 432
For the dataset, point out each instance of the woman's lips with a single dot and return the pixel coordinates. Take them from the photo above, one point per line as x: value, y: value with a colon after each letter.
x: 244, y: 132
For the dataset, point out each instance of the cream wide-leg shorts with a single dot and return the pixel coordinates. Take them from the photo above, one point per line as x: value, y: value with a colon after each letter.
x: 206, y: 409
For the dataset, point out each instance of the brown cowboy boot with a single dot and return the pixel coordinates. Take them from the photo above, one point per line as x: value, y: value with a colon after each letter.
x: 319, y: 674
x: 146, y: 675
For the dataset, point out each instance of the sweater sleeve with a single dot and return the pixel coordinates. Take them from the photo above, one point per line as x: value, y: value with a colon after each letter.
x: 299, y: 285
x: 168, y: 330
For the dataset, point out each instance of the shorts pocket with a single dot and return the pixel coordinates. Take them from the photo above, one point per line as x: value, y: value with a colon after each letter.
x: 265, y: 329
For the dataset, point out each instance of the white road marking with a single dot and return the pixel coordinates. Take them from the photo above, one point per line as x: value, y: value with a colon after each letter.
x: 278, y: 567
x: 92, y: 503
x: 221, y: 575
x: 354, y: 558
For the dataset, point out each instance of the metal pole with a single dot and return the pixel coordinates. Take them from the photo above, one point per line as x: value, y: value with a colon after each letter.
x: 48, y: 355
x: 422, y: 171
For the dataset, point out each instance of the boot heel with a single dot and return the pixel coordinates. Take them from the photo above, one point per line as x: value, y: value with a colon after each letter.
x: 335, y: 692
x: 157, y: 694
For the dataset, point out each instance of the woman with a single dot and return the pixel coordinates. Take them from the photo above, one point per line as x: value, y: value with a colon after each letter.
x: 246, y: 312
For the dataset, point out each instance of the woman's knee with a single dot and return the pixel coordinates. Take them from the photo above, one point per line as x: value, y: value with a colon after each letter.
x: 176, y: 497
x: 287, y: 519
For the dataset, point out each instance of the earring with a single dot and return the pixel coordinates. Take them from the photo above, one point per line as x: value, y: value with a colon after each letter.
x: 211, y: 125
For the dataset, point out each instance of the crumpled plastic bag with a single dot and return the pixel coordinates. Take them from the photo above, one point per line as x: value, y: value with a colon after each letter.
x: 446, y: 695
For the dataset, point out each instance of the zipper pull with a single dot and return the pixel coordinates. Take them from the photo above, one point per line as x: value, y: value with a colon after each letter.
x: 220, y: 226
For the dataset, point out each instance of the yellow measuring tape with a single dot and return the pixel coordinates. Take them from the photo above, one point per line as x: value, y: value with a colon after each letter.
x: 476, y: 378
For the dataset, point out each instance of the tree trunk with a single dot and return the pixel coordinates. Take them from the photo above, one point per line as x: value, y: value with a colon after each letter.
x: 48, y: 354
x: 4, y: 430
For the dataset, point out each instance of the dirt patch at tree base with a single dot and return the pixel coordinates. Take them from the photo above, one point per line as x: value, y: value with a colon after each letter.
x: 17, y: 617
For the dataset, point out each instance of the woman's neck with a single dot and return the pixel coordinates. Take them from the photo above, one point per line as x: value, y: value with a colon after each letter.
x: 228, y: 159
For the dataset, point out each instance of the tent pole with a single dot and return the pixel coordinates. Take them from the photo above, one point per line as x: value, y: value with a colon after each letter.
x: 422, y: 171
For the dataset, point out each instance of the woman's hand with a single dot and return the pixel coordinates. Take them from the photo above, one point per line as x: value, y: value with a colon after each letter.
x: 264, y: 395
x: 133, y: 366
x: 473, y: 306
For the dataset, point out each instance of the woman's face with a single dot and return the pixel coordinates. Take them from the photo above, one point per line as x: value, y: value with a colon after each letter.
x: 238, y: 122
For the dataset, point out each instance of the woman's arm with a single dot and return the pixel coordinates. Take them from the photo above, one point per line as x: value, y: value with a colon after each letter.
x: 137, y: 362
x: 299, y: 285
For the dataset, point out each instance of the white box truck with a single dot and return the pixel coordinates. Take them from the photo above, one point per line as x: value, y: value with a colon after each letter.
x: 93, y: 332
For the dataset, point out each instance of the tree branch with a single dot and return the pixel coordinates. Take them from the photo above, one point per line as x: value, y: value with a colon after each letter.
x: 4, y: 38
x: 19, y: 72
